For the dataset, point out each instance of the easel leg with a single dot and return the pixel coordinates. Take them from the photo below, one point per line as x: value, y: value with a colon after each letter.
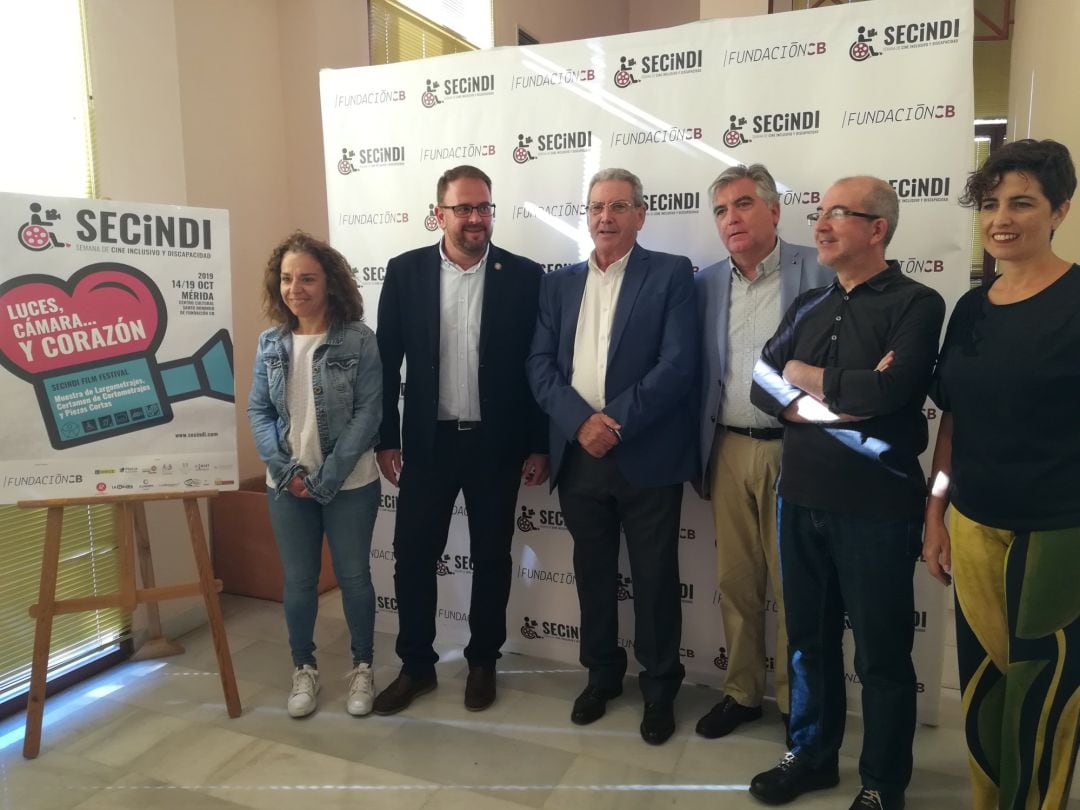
x: 209, y: 589
x: 50, y: 560
x: 156, y: 645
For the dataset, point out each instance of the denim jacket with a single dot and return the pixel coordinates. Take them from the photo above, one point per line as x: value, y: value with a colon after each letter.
x: 346, y: 379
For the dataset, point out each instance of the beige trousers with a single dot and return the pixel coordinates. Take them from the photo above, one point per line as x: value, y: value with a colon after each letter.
x: 744, y: 472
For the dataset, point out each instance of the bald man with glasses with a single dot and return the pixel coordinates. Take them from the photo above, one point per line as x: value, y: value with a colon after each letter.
x: 847, y: 374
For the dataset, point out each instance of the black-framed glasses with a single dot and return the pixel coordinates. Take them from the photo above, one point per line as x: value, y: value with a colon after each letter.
x: 464, y: 211
x: 616, y: 207
x: 839, y: 212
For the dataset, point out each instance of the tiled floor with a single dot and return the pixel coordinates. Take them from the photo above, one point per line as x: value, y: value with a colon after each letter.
x: 155, y: 735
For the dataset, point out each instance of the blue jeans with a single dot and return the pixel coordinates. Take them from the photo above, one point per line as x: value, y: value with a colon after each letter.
x: 347, y: 521
x: 830, y: 562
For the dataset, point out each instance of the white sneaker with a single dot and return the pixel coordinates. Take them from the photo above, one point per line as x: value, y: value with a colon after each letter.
x: 305, y: 686
x: 361, y: 688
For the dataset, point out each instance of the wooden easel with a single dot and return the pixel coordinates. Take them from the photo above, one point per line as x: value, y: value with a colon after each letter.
x: 130, y: 518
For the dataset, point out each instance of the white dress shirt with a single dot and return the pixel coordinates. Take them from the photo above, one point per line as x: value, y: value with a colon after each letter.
x: 461, y: 298
x: 593, y: 337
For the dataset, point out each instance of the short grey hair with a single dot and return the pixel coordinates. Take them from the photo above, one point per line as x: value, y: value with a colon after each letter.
x: 763, y: 180
x: 621, y: 175
x: 881, y: 200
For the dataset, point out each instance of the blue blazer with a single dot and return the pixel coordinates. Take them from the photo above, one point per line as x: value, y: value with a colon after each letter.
x: 651, y: 372
x: 408, y: 328
x: 799, y: 272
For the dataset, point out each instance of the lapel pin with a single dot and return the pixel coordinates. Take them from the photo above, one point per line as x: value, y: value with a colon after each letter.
x: 498, y: 265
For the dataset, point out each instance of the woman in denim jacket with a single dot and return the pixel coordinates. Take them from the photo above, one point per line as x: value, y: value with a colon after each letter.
x: 315, y: 409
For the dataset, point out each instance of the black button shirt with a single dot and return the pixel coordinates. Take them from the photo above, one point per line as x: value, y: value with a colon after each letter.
x: 868, y: 467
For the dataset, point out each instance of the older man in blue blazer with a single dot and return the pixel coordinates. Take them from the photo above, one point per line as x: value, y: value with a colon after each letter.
x: 614, y: 362
x: 741, y: 301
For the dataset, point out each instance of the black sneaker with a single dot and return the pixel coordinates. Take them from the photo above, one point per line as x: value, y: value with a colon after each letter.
x: 876, y: 800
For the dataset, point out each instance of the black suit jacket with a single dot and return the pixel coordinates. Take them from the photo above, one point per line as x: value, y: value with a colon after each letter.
x: 408, y: 328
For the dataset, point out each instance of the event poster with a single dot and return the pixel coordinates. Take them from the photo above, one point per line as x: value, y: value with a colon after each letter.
x: 881, y: 88
x: 115, y: 349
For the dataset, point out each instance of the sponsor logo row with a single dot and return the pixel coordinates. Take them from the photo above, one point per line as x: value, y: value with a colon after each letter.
x: 865, y: 43
x: 743, y: 128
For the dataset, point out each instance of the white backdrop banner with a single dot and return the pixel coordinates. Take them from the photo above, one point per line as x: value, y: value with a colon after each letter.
x: 115, y: 349
x: 879, y: 88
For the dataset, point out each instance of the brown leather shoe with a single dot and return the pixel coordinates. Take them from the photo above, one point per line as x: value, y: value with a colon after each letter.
x: 402, y: 692
x: 480, y: 687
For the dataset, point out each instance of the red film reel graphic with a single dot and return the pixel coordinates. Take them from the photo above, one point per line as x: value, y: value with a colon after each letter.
x: 623, y: 78
x: 344, y: 167
x: 34, y: 237
x: 431, y: 222
x: 733, y: 138
x: 428, y: 99
x: 859, y: 51
x: 521, y: 155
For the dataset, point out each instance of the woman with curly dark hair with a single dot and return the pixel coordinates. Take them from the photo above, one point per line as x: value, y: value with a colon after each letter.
x: 1008, y: 459
x: 315, y: 408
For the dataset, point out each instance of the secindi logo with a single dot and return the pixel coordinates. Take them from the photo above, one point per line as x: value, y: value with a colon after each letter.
x: 531, y: 147
x: 525, y: 520
x: 353, y: 160
x: 721, y: 660
x: 673, y: 202
x: 36, y: 233
x: 442, y: 567
x: 920, y: 34
x: 921, y: 189
x: 438, y: 91
x: 529, y: 628
x: 431, y: 222
x: 655, y: 65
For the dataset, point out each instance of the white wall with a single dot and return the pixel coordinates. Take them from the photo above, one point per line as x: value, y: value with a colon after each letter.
x: 559, y: 20
x: 1043, y: 77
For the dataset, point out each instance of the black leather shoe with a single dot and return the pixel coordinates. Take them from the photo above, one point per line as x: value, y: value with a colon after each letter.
x: 725, y: 717
x: 480, y: 687
x: 403, y: 691
x: 592, y: 703
x: 658, y: 724
x: 877, y: 800
x: 793, y: 777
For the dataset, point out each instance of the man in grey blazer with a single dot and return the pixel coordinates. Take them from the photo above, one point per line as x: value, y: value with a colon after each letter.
x: 741, y: 301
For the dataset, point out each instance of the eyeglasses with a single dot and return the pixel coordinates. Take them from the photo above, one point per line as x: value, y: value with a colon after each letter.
x: 616, y: 207
x: 465, y: 211
x: 838, y: 212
